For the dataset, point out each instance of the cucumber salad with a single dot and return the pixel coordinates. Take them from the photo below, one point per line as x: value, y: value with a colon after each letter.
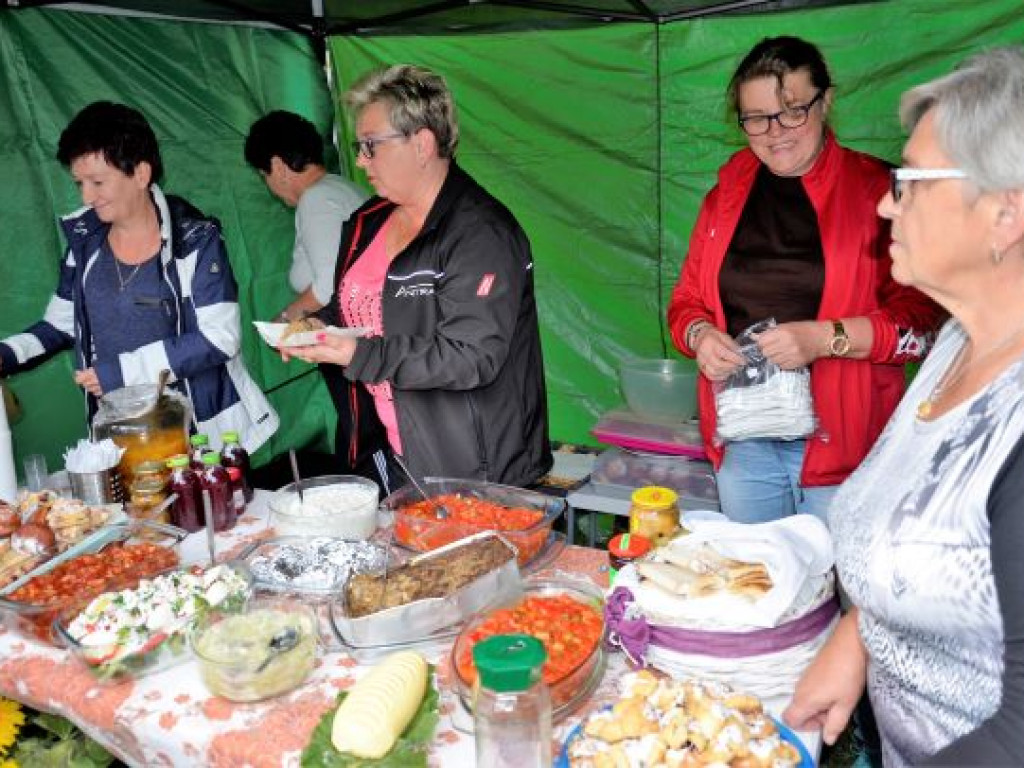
x: 130, y: 631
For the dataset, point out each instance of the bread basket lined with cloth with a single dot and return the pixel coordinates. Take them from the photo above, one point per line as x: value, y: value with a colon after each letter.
x: 745, y: 604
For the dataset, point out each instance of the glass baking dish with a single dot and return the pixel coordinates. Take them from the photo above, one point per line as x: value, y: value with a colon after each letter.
x: 65, y: 581
x: 420, y: 528
x: 422, y: 618
x: 116, y: 654
x: 572, y: 685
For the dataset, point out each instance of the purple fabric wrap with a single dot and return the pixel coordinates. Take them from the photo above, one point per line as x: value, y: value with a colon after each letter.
x: 634, y: 636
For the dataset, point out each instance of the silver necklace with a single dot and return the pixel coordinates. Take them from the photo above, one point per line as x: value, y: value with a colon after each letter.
x: 120, y: 278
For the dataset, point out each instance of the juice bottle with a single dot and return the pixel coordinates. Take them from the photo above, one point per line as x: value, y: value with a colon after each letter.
x: 187, y: 510
x: 200, y: 447
x: 214, y: 479
x: 234, y: 455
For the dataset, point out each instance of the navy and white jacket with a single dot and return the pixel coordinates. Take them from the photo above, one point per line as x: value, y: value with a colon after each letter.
x: 204, y: 356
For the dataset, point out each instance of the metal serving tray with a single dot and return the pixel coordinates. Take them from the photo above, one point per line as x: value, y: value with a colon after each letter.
x: 420, y: 619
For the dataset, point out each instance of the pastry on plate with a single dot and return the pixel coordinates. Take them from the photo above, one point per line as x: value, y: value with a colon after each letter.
x: 301, y: 325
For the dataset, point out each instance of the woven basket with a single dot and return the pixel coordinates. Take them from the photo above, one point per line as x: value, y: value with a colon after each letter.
x: 766, y: 662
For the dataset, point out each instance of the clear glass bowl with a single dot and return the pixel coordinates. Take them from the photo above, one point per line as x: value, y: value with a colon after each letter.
x: 576, y: 685
x: 34, y: 617
x: 424, y: 534
x: 110, y: 662
x: 320, y: 514
x: 235, y: 650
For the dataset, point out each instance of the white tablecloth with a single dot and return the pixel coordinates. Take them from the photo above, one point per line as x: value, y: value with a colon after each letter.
x: 169, y: 719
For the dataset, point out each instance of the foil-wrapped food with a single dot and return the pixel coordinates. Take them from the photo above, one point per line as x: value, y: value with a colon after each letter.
x: 318, y: 564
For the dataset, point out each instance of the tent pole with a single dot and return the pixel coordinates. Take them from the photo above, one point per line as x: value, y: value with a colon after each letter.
x: 318, y: 32
x: 659, y: 189
x: 579, y: 10
x: 696, y: 13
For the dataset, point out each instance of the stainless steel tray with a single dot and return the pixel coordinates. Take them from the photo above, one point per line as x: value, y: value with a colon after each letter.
x: 419, y: 620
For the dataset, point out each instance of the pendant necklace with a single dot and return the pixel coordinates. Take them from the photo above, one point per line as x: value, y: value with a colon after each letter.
x: 120, y: 278
x: 958, y: 369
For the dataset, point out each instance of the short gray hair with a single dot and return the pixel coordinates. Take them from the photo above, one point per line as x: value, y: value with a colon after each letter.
x: 418, y: 99
x: 979, y: 116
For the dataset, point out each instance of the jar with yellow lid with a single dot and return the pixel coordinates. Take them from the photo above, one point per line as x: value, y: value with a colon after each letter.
x: 653, y: 513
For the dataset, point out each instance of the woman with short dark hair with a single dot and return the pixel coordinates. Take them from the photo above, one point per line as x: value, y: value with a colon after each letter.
x: 145, y: 284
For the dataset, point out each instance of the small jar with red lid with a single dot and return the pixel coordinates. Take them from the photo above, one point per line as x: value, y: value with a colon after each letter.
x: 624, y: 549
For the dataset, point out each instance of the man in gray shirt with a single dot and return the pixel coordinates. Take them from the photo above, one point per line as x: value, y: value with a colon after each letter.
x: 288, y: 152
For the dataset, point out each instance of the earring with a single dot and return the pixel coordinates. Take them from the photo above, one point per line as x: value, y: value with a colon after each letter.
x: 997, y: 256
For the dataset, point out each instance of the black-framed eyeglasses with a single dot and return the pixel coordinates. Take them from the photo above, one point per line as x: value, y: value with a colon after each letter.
x: 368, y: 147
x: 791, y: 117
x: 899, y: 178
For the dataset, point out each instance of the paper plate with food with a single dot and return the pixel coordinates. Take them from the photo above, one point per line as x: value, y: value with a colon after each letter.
x: 301, y: 333
x: 386, y: 719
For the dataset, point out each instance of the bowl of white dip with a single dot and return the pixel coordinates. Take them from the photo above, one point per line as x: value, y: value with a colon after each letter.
x: 343, y: 506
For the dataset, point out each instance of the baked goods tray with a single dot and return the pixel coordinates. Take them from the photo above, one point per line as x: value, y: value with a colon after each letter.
x: 421, y: 619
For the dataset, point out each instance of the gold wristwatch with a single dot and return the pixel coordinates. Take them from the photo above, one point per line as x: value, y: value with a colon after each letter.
x: 839, y: 344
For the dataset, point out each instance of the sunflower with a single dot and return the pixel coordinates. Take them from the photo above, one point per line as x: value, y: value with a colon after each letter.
x: 11, y: 720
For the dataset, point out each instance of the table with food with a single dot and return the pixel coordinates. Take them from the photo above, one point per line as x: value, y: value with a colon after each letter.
x: 324, y: 626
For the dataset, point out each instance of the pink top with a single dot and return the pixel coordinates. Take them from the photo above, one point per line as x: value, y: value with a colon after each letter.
x: 360, y: 306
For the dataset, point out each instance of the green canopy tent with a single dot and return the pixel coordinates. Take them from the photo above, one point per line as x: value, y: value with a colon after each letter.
x: 600, y: 123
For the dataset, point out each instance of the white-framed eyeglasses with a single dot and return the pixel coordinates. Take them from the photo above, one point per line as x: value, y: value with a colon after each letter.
x: 367, y: 147
x: 899, y: 177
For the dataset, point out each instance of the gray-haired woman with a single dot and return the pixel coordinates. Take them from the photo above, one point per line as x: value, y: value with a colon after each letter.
x: 449, y: 375
x: 930, y: 529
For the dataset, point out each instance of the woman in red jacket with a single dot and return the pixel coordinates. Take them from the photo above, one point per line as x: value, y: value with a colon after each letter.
x: 790, y: 232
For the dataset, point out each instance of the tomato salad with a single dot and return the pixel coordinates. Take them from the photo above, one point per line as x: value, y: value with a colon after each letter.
x: 569, y: 629
x: 418, y: 526
x: 38, y: 601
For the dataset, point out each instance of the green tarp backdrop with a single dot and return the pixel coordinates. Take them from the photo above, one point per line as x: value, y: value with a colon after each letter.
x: 601, y: 140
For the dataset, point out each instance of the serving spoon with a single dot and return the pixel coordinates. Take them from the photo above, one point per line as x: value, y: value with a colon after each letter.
x: 280, y: 643
x: 439, y: 509
x: 295, y: 473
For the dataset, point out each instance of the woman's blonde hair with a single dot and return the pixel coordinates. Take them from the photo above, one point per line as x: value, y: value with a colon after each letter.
x: 417, y: 97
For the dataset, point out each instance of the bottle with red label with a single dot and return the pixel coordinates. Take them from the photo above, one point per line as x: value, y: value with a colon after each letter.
x: 215, y: 479
x: 237, y: 491
x: 200, y: 447
x: 187, y: 510
x: 232, y: 454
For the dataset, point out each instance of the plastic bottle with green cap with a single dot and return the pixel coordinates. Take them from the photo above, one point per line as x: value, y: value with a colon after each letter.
x: 511, y: 703
x: 232, y: 454
x: 214, y: 478
x: 200, y: 446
